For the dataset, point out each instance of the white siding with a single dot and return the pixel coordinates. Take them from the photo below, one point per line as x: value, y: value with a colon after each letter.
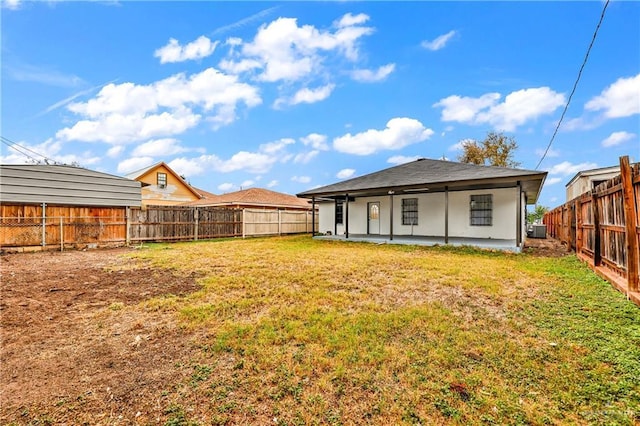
x: 431, y: 215
x: 504, y: 214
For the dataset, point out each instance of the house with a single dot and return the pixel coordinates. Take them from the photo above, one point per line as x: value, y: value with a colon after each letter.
x: 586, y: 180
x: 255, y: 198
x: 431, y: 202
x: 162, y: 186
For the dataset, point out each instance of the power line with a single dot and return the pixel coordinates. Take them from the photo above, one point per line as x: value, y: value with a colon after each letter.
x: 575, y: 85
x: 25, y: 151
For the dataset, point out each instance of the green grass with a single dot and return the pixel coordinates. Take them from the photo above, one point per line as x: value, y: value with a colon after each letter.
x: 319, y: 332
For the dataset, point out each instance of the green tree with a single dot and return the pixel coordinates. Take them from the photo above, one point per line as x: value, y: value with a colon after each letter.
x: 537, y: 214
x: 495, y: 150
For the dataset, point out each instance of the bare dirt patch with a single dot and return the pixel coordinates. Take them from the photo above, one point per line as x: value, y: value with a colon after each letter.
x: 545, y: 247
x: 73, y: 343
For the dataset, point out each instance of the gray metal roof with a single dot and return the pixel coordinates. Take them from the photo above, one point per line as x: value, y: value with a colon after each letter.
x: 65, y: 185
x: 432, y: 176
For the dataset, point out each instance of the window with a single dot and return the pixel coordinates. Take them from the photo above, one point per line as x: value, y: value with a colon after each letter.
x: 481, y: 210
x: 409, y: 211
x: 162, y: 180
x: 339, y: 210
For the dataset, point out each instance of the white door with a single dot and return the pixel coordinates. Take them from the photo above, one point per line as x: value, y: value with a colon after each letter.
x: 373, y: 224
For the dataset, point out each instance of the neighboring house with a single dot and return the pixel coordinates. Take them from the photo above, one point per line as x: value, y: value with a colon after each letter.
x: 434, y: 199
x: 35, y: 184
x: 162, y: 186
x: 255, y: 198
x: 57, y: 206
x: 586, y: 180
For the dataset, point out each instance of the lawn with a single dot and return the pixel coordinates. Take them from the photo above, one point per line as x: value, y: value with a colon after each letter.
x: 296, y: 331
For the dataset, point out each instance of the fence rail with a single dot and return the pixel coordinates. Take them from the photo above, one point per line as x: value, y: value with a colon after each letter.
x: 71, y: 227
x: 602, y: 227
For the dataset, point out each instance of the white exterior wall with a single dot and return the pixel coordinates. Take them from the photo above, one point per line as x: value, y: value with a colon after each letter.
x: 431, y: 215
x: 503, y: 218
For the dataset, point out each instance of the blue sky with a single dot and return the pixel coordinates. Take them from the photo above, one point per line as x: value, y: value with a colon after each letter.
x: 294, y: 95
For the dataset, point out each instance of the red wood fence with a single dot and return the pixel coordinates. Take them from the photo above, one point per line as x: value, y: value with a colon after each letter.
x: 602, y: 227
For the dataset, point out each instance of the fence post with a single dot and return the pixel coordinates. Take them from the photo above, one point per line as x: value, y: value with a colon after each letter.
x: 279, y: 222
x: 127, y: 224
x: 578, y: 225
x: 196, y: 216
x: 44, y: 225
x: 243, y: 223
x: 597, y: 255
x: 61, y: 235
x: 630, y: 220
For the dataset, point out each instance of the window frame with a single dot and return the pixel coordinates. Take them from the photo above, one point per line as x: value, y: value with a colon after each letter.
x: 410, y: 211
x: 481, y: 210
x: 338, y: 212
x: 160, y: 176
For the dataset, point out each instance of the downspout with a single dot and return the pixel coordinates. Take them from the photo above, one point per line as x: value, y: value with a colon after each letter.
x: 335, y: 222
x: 446, y: 215
x: 313, y: 217
x: 519, y: 217
x: 346, y: 219
x: 391, y: 215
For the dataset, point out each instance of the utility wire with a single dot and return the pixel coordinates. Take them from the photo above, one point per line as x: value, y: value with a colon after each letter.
x: 575, y: 85
x: 22, y: 149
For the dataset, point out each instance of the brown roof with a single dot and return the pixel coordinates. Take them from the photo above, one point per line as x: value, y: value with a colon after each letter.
x: 206, y: 194
x: 258, y: 197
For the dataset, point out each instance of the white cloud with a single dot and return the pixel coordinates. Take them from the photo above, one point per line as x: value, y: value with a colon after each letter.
x: 272, y: 184
x: 517, y: 108
x: 244, y: 21
x: 345, y: 173
x: 551, y: 153
x: 276, y: 146
x: 159, y: 148
x: 305, y: 157
x: 620, y: 99
x: 350, y: 20
x: 41, y: 75
x: 247, y: 184
x: 400, y: 132
x: 127, y: 112
x: 174, y: 52
x: 115, y: 151
x: 132, y: 164
x: 301, y: 179
x: 617, y: 138
x: 316, y: 140
x: 11, y: 4
x: 552, y: 181
x: 566, y: 168
x: 369, y: 76
x: 439, y: 42
x: 460, y: 145
x: 402, y: 159
x: 282, y: 50
x: 226, y: 187
x: 306, y: 96
x: 51, y: 150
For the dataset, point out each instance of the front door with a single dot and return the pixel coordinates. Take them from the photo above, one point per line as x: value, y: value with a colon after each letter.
x: 373, y: 224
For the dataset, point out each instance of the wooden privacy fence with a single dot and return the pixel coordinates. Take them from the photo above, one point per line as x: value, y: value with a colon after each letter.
x: 53, y: 227
x: 602, y: 227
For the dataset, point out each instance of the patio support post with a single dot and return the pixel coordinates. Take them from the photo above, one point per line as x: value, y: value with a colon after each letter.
x: 519, y: 216
x: 446, y: 215
x: 313, y: 216
x: 391, y: 215
x: 346, y: 216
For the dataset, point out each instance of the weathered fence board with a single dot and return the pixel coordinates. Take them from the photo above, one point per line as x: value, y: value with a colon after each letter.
x: 602, y: 227
x: 53, y: 226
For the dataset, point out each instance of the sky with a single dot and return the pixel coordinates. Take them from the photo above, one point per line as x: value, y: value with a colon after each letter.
x: 295, y: 95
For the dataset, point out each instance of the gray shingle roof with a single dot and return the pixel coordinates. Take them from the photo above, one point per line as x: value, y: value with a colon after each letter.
x: 427, y: 172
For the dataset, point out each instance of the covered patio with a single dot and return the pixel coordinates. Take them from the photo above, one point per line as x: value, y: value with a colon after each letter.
x: 483, y: 243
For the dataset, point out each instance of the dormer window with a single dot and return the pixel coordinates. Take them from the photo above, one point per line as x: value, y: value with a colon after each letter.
x: 162, y: 180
